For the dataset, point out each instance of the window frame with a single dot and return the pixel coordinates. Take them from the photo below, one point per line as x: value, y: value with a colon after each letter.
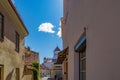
x: 1, y: 72
x: 82, y: 65
x: 17, y: 42
x: 2, y: 28
x: 80, y: 48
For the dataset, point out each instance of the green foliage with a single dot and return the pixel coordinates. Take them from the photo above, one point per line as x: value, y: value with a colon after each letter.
x: 36, y: 71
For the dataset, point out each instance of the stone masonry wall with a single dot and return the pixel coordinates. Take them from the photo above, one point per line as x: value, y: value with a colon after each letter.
x: 10, y: 58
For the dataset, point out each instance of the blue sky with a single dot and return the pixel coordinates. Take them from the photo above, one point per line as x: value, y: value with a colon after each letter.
x: 42, y: 19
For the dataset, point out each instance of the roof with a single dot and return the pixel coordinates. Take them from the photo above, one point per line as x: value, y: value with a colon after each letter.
x: 47, y: 58
x: 29, y: 52
x: 57, y: 49
x: 81, y: 43
x: 18, y: 17
x: 62, y: 55
x: 42, y: 67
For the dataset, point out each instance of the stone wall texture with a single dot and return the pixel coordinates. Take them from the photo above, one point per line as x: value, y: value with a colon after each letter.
x: 9, y: 57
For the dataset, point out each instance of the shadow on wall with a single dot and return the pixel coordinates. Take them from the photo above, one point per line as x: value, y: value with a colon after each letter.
x: 9, y: 76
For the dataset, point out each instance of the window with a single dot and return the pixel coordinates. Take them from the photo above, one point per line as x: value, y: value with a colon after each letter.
x: 1, y: 27
x: 57, y: 66
x: 17, y: 42
x: 82, y: 60
x: 1, y: 72
x: 80, y: 48
x: 82, y: 66
x: 17, y: 74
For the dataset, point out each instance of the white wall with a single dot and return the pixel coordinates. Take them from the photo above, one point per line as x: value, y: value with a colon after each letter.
x: 101, y: 18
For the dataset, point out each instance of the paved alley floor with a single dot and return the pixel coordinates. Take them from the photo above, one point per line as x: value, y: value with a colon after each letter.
x: 46, y: 78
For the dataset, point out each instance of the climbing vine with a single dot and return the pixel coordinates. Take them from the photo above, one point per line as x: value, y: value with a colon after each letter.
x: 36, y: 71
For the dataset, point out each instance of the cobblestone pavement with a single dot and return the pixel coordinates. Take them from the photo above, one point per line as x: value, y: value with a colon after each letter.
x: 47, y: 78
x: 51, y: 79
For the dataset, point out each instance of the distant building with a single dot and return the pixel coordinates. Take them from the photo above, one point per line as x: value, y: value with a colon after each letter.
x: 63, y: 60
x: 12, y: 37
x: 56, y: 69
x: 31, y: 56
x: 44, y: 71
x: 49, y: 61
x: 55, y: 56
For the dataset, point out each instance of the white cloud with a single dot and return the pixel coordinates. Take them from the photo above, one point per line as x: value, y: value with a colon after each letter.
x: 46, y: 27
x: 59, y: 32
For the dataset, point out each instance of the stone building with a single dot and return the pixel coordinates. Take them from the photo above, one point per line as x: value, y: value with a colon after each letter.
x: 12, y: 36
x: 63, y: 61
x: 31, y: 56
x: 56, y: 68
x: 48, y: 62
x: 91, y: 28
x: 55, y: 55
x: 44, y: 71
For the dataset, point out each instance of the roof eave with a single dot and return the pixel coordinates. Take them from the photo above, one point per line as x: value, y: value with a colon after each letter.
x: 18, y: 17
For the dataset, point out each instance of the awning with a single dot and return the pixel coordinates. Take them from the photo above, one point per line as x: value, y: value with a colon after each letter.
x: 81, y: 44
x: 62, y: 55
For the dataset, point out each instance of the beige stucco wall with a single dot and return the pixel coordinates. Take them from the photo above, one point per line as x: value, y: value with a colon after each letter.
x: 56, y: 69
x: 8, y: 56
x: 28, y: 75
x: 64, y: 70
x: 101, y: 18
